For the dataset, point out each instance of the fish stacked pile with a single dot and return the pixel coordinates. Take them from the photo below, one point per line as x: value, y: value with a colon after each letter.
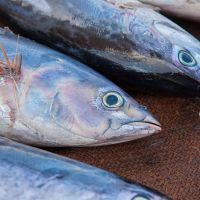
x: 51, y: 99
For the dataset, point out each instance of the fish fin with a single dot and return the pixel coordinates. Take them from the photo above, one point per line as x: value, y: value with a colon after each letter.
x: 131, y: 4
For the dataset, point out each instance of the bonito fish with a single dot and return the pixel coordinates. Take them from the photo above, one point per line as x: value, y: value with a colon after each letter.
x: 189, y: 9
x: 136, y: 47
x: 50, y: 99
x: 27, y: 173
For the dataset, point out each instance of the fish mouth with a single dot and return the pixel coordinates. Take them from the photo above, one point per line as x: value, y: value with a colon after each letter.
x: 133, y: 130
x: 148, y: 122
x: 151, y: 122
x: 141, y: 129
x: 153, y: 126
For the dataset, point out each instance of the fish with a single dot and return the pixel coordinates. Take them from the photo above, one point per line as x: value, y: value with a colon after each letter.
x: 132, y: 4
x: 28, y: 173
x: 135, y: 51
x: 186, y: 9
x: 50, y: 99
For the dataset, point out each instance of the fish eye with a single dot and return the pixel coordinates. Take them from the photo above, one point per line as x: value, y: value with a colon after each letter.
x: 113, y: 100
x: 186, y: 58
x: 139, y: 197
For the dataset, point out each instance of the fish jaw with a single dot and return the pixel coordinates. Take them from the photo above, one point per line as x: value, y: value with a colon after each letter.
x: 131, y: 129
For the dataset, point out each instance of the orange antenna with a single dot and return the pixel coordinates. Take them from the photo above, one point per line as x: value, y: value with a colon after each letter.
x: 15, y: 64
x: 5, y: 55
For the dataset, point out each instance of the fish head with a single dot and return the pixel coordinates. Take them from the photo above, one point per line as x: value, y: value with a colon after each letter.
x: 159, y: 38
x: 80, y: 107
x: 117, y: 117
x: 135, y: 191
x: 103, y: 112
x: 184, y: 53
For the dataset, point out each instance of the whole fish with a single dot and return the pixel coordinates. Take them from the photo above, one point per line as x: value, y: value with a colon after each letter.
x: 50, y: 99
x: 188, y: 9
x: 28, y: 173
x: 134, y: 47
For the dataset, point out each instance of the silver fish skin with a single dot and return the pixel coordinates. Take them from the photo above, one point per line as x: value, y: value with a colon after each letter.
x: 28, y: 173
x: 188, y: 9
x: 49, y: 99
x: 123, y: 44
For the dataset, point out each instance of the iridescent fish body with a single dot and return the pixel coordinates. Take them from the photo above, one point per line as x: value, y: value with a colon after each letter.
x: 188, y: 9
x: 27, y: 173
x: 49, y: 99
x: 136, y: 47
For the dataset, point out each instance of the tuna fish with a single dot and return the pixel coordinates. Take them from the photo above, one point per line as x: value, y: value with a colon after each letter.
x: 134, y: 47
x: 27, y: 173
x: 50, y: 99
x: 188, y: 9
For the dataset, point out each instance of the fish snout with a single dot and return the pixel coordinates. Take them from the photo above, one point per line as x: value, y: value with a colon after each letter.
x: 151, y: 121
x: 146, y: 125
x: 139, y: 122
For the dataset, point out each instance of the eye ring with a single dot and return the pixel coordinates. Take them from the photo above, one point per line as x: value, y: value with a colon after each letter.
x: 113, y: 100
x: 140, y: 197
x: 186, y: 58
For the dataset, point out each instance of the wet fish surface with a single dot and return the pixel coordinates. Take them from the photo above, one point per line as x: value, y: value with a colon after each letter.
x: 28, y: 173
x: 49, y: 99
x: 188, y: 9
x: 123, y: 44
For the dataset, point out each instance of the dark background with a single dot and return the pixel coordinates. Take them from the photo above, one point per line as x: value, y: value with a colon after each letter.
x: 168, y: 161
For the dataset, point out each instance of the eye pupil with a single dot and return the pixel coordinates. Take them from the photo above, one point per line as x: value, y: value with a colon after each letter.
x: 111, y: 100
x: 186, y: 58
